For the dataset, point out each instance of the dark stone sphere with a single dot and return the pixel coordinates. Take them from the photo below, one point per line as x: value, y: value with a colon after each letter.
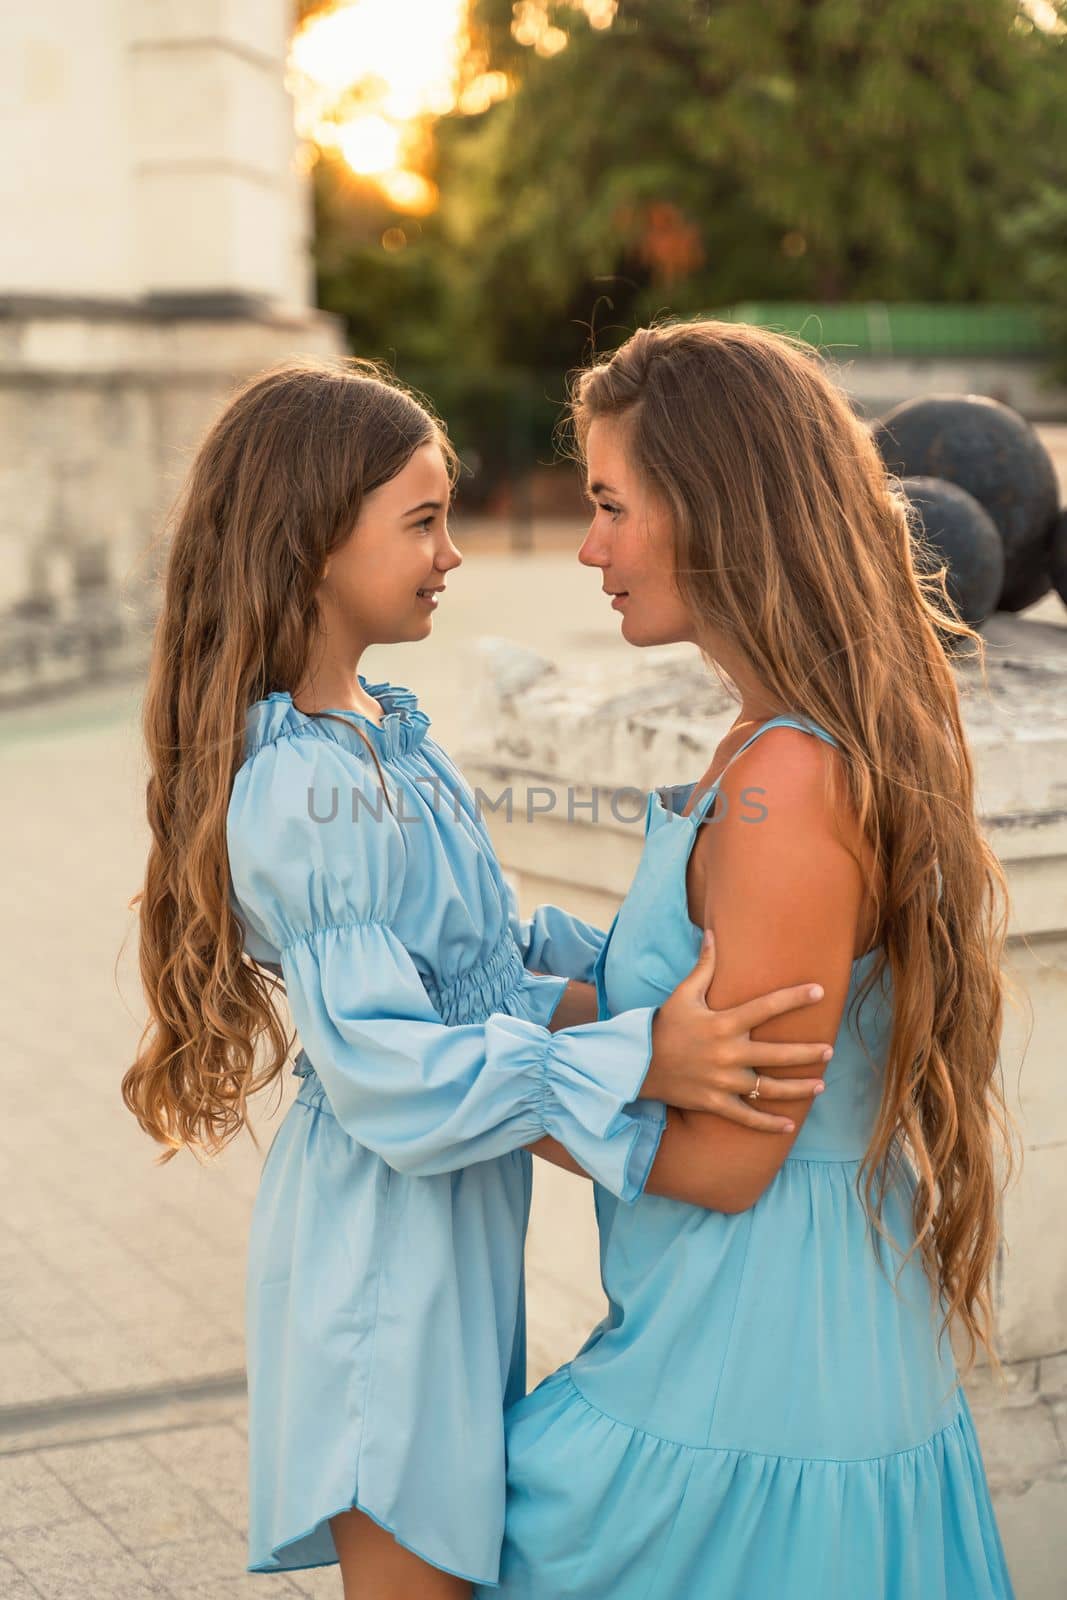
x: 964, y: 536
x: 1058, y: 555
x: 994, y: 454
x: 1032, y: 578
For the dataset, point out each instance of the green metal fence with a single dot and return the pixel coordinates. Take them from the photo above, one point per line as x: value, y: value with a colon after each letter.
x: 902, y: 329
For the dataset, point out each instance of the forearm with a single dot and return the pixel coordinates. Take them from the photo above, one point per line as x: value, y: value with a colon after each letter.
x: 430, y: 1098
x: 685, y: 1167
x: 550, y: 1149
x: 708, y: 1161
x: 577, y: 1004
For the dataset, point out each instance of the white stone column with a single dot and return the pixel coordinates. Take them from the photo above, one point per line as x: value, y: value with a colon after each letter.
x: 218, y: 210
x: 66, y: 177
x: 148, y: 150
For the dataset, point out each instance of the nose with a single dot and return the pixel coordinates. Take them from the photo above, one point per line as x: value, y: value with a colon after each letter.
x: 593, y: 552
x: 449, y: 557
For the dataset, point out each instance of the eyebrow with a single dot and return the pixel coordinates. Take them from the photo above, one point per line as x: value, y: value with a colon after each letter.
x: 601, y: 488
x: 425, y: 505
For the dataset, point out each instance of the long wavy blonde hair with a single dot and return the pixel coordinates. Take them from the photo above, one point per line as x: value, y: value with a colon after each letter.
x: 792, y: 542
x: 276, y: 486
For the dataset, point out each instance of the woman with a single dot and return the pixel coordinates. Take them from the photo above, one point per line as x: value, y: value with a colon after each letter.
x: 770, y: 1406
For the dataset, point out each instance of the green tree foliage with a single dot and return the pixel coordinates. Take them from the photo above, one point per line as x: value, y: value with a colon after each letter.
x: 385, y: 273
x: 1040, y: 229
x: 701, y: 152
x: 704, y: 151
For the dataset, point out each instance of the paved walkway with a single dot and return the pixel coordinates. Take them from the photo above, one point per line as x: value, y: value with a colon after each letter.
x: 122, y: 1434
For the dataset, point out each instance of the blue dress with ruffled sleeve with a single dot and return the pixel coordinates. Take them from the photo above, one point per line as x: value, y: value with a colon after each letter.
x: 384, y: 1289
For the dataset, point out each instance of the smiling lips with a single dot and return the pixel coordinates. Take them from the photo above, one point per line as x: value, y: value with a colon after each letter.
x: 430, y: 594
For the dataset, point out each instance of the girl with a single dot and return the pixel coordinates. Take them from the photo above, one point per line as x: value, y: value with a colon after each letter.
x: 306, y: 828
x: 769, y: 1407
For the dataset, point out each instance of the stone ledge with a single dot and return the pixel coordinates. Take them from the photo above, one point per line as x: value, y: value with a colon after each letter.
x: 98, y: 639
x: 655, y: 717
x: 216, y: 337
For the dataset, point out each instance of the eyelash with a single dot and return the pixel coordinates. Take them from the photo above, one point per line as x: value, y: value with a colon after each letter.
x: 605, y: 505
x: 426, y: 521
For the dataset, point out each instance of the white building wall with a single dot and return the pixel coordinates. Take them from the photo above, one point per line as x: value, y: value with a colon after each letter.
x: 65, y: 171
x: 148, y: 149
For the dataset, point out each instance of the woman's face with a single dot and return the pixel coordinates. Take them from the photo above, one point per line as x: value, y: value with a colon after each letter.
x: 383, y: 584
x: 630, y: 541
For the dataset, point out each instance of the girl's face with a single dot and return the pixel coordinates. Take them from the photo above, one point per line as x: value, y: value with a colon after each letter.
x: 630, y: 541
x: 384, y: 583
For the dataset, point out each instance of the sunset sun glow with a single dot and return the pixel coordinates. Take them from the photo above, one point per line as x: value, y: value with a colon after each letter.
x: 369, y: 77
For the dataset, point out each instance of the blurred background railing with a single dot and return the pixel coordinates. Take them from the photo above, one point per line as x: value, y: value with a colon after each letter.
x: 877, y: 328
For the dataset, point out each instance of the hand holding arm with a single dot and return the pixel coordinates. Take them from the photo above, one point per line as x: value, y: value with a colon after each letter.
x: 722, y: 1077
x: 704, y: 1059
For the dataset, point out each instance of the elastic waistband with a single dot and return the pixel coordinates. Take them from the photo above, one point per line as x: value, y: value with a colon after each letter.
x: 475, y: 993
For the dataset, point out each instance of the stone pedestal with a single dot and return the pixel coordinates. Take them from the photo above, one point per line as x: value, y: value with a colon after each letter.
x: 876, y: 384
x: 155, y: 251
x: 100, y: 412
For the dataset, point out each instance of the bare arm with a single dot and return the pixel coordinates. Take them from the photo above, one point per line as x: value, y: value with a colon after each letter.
x: 784, y: 896
x: 576, y: 1005
x: 744, y: 1027
x: 550, y: 1149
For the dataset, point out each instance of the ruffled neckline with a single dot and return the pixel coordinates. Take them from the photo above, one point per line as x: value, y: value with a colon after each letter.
x: 402, y: 729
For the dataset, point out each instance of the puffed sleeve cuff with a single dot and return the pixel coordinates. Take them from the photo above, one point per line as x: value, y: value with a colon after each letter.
x: 651, y: 1117
x: 553, y: 940
x: 543, y: 994
x: 563, y: 944
x: 592, y: 1074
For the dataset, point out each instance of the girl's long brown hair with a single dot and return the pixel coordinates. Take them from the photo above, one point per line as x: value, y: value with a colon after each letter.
x: 276, y: 486
x: 794, y: 544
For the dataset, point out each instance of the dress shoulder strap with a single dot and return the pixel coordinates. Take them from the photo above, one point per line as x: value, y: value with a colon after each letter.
x: 782, y: 721
x: 785, y: 720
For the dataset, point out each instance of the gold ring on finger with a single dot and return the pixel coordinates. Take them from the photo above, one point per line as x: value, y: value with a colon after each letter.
x: 753, y: 1094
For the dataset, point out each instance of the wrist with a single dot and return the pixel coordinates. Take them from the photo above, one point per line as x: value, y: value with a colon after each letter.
x: 576, y: 1006
x: 559, y: 1017
x: 650, y: 1087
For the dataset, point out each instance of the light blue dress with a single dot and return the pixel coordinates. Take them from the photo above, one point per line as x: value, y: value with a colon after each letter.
x: 384, y: 1295
x: 760, y: 1415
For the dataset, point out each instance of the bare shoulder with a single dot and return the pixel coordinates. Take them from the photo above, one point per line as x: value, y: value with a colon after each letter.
x: 792, y: 783
x: 783, y: 824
